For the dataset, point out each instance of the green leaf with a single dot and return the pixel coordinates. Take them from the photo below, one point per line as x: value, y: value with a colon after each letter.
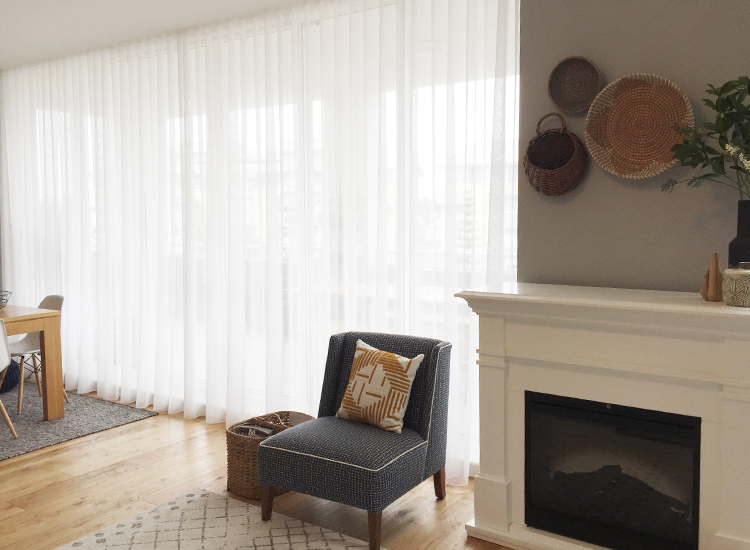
x: 723, y: 124
x: 727, y: 87
x: 668, y: 185
x: 718, y: 166
x: 697, y: 181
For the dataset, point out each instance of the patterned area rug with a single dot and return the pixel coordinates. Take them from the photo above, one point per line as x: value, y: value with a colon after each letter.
x: 201, y: 520
x: 83, y: 415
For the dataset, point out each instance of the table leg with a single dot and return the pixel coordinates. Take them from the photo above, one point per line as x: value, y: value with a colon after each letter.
x: 52, y: 369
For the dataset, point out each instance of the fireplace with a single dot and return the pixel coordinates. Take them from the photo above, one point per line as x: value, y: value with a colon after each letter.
x: 643, y: 353
x: 621, y: 477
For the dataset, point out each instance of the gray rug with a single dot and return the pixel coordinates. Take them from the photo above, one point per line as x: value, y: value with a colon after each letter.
x: 201, y: 520
x: 83, y: 415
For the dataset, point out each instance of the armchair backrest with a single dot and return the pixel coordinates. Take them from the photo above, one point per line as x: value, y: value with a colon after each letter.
x: 427, y: 411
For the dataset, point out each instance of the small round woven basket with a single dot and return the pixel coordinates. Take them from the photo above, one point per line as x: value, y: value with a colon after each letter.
x: 630, y: 127
x: 555, y: 160
x: 573, y: 84
x: 242, y: 450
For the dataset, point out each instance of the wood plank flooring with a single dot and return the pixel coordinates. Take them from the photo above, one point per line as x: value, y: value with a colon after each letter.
x: 58, y: 494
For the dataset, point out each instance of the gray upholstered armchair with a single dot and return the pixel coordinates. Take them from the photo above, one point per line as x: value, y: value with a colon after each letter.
x: 359, y: 464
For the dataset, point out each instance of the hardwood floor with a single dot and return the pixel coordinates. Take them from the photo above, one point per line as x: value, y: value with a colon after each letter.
x: 58, y: 494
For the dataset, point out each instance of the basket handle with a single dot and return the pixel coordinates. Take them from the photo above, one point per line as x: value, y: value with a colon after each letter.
x: 558, y: 115
x: 276, y: 424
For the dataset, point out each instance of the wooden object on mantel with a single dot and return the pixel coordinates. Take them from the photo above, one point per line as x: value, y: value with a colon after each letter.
x: 711, y: 289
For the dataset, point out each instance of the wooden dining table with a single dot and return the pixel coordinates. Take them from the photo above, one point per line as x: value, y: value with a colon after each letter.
x: 21, y: 320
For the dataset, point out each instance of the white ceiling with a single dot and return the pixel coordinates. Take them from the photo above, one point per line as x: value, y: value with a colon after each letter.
x: 37, y: 30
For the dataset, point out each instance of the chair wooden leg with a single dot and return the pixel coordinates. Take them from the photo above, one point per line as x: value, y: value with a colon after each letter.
x: 36, y: 373
x: 2, y: 407
x: 7, y: 419
x: 65, y: 394
x: 439, y: 479
x: 20, y: 383
x: 374, y: 519
x: 266, y: 502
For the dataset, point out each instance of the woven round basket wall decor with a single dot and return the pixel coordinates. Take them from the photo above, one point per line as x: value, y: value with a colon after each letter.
x: 630, y: 125
x: 573, y: 84
x: 555, y: 160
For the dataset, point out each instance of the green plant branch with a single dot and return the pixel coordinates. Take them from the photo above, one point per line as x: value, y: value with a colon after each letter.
x: 696, y: 181
x: 725, y: 140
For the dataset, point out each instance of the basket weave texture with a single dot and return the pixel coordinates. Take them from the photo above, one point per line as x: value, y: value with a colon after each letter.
x: 242, y: 451
x: 630, y: 125
x: 573, y: 84
x: 555, y: 160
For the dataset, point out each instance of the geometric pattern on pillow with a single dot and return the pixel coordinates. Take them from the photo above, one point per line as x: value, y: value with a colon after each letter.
x: 379, y: 387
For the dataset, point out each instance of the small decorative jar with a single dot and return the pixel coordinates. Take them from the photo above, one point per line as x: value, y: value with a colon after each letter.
x: 736, y: 285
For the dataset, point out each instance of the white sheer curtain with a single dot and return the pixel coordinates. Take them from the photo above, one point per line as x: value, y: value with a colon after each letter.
x: 215, y: 203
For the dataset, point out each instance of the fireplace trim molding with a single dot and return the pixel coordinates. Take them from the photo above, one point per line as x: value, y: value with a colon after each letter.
x: 667, y: 351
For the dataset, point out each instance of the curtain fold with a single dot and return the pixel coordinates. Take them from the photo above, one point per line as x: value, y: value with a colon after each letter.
x: 215, y: 203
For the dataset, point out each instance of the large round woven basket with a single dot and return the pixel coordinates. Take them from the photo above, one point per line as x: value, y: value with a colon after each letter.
x: 242, y: 450
x: 573, y: 84
x: 630, y: 127
x: 555, y: 160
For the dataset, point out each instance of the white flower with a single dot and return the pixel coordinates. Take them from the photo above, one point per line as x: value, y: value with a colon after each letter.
x: 744, y: 161
x: 731, y: 149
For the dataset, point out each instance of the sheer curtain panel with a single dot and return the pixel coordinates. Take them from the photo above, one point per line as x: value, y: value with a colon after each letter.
x: 216, y: 202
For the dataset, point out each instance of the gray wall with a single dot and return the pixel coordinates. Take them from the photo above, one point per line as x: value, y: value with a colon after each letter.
x: 612, y: 231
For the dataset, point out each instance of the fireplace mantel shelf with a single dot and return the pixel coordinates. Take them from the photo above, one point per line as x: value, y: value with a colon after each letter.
x: 664, y: 351
x: 618, y: 298
x: 644, y: 308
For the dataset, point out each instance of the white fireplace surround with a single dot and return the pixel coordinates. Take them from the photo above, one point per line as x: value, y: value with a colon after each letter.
x: 665, y: 351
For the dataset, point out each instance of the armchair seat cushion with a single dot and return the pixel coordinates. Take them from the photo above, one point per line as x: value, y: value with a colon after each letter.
x: 344, y: 461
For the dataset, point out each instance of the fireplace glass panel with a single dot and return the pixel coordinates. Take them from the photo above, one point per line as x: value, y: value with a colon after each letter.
x: 620, y: 477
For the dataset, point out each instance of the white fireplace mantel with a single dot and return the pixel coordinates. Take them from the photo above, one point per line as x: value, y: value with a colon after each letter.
x: 666, y: 351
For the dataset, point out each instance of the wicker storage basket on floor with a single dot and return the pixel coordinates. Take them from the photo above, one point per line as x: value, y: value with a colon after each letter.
x: 242, y: 451
x: 555, y: 160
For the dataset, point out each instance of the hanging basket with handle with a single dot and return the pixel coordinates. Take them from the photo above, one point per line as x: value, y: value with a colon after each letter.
x: 556, y: 160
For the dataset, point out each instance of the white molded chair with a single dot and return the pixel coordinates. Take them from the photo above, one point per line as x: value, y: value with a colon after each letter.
x: 31, y: 345
x: 4, y: 364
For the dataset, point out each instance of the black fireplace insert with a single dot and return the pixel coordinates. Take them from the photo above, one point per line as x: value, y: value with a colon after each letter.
x: 620, y: 477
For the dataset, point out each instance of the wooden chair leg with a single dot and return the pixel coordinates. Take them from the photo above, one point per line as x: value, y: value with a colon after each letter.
x: 36, y: 373
x: 65, y: 395
x: 7, y: 419
x: 439, y: 479
x: 266, y: 502
x: 20, y: 383
x: 374, y: 521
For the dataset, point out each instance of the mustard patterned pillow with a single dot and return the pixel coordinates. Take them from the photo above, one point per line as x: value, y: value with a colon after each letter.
x: 379, y: 387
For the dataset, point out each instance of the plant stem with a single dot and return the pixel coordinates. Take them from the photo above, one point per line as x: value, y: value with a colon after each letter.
x: 735, y: 187
x: 739, y: 185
